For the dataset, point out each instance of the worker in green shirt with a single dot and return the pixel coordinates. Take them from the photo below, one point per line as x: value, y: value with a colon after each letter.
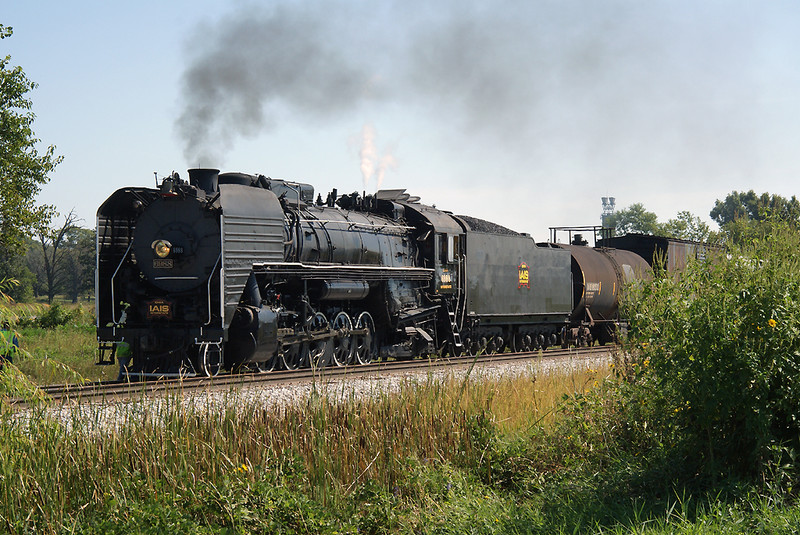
x: 9, y: 344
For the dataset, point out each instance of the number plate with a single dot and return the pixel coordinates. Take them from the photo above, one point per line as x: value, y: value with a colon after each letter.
x: 162, y: 263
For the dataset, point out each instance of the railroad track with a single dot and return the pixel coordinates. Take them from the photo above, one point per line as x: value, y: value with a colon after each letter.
x: 109, y: 390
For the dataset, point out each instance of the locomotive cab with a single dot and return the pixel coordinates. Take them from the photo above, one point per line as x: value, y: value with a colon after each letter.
x: 448, y: 246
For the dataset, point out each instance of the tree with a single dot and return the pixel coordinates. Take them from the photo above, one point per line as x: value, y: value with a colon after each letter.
x: 80, y: 261
x: 753, y: 207
x: 23, y: 170
x: 633, y: 219
x: 54, y: 256
x: 13, y: 267
x: 686, y: 226
x: 746, y: 215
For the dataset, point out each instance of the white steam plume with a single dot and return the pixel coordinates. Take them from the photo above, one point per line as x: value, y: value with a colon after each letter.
x: 368, y: 153
x: 372, y: 163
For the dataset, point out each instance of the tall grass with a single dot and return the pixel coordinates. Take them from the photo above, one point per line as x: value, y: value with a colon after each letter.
x: 527, y: 454
x: 550, y: 451
x: 333, y: 446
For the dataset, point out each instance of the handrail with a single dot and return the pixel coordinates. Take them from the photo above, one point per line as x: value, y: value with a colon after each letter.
x: 211, y: 276
x: 113, y: 307
x: 462, y: 264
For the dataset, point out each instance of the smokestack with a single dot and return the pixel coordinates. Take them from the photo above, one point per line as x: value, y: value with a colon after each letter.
x: 205, y: 179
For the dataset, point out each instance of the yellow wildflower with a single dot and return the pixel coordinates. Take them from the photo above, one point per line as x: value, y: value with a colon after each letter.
x: 772, y: 322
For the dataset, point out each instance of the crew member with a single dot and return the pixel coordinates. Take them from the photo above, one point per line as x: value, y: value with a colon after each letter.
x: 9, y: 344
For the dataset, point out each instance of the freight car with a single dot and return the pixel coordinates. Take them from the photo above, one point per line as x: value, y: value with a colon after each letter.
x: 671, y: 252
x: 234, y: 270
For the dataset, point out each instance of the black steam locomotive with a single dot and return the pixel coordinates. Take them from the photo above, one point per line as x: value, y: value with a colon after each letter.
x: 235, y: 270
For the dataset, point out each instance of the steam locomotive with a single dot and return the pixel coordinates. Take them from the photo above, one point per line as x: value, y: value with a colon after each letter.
x: 233, y: 270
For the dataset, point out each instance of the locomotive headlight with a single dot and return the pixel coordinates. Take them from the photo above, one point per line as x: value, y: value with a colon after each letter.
x: 162, y: 248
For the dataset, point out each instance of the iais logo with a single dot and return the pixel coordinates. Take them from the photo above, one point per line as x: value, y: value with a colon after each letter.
x: 159, y: 308
x: 524, y: 276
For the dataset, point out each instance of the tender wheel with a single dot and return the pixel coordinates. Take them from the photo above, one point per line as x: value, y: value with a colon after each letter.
x: 495, y: 345
x: 343, y: 347
x: 318, y: 350
x: 366, y: 344
x: 470, y: 347
x: 209, y: 359
x: 516, y: 343
x: 522, y: 342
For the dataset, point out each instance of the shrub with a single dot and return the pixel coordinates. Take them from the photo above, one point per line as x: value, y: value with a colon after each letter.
x: 716, y: 357
x: 57, y: 315
x: 54, y: 316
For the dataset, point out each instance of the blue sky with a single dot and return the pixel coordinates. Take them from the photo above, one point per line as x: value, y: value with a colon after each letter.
x: 525, y: 113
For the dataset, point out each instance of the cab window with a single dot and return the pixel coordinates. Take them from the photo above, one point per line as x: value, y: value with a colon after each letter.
x: 448, y: 248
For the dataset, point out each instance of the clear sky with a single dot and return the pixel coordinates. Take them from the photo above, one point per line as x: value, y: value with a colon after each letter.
x: 524, y: 112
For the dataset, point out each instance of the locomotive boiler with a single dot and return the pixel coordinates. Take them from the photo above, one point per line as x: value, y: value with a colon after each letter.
x: 233, y: 270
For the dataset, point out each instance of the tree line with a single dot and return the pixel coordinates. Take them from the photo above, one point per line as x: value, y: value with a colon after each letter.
x: 738, y: 215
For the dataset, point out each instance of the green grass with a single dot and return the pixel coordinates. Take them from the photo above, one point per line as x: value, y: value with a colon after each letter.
x: 58, y: 343
x: 64, y: 354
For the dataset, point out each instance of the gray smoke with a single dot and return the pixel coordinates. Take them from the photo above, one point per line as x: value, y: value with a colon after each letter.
x: 603, y: 84
x: 256, y: 66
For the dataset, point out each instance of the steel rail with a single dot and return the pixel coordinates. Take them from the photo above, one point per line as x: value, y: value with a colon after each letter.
x: 112, y: 390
